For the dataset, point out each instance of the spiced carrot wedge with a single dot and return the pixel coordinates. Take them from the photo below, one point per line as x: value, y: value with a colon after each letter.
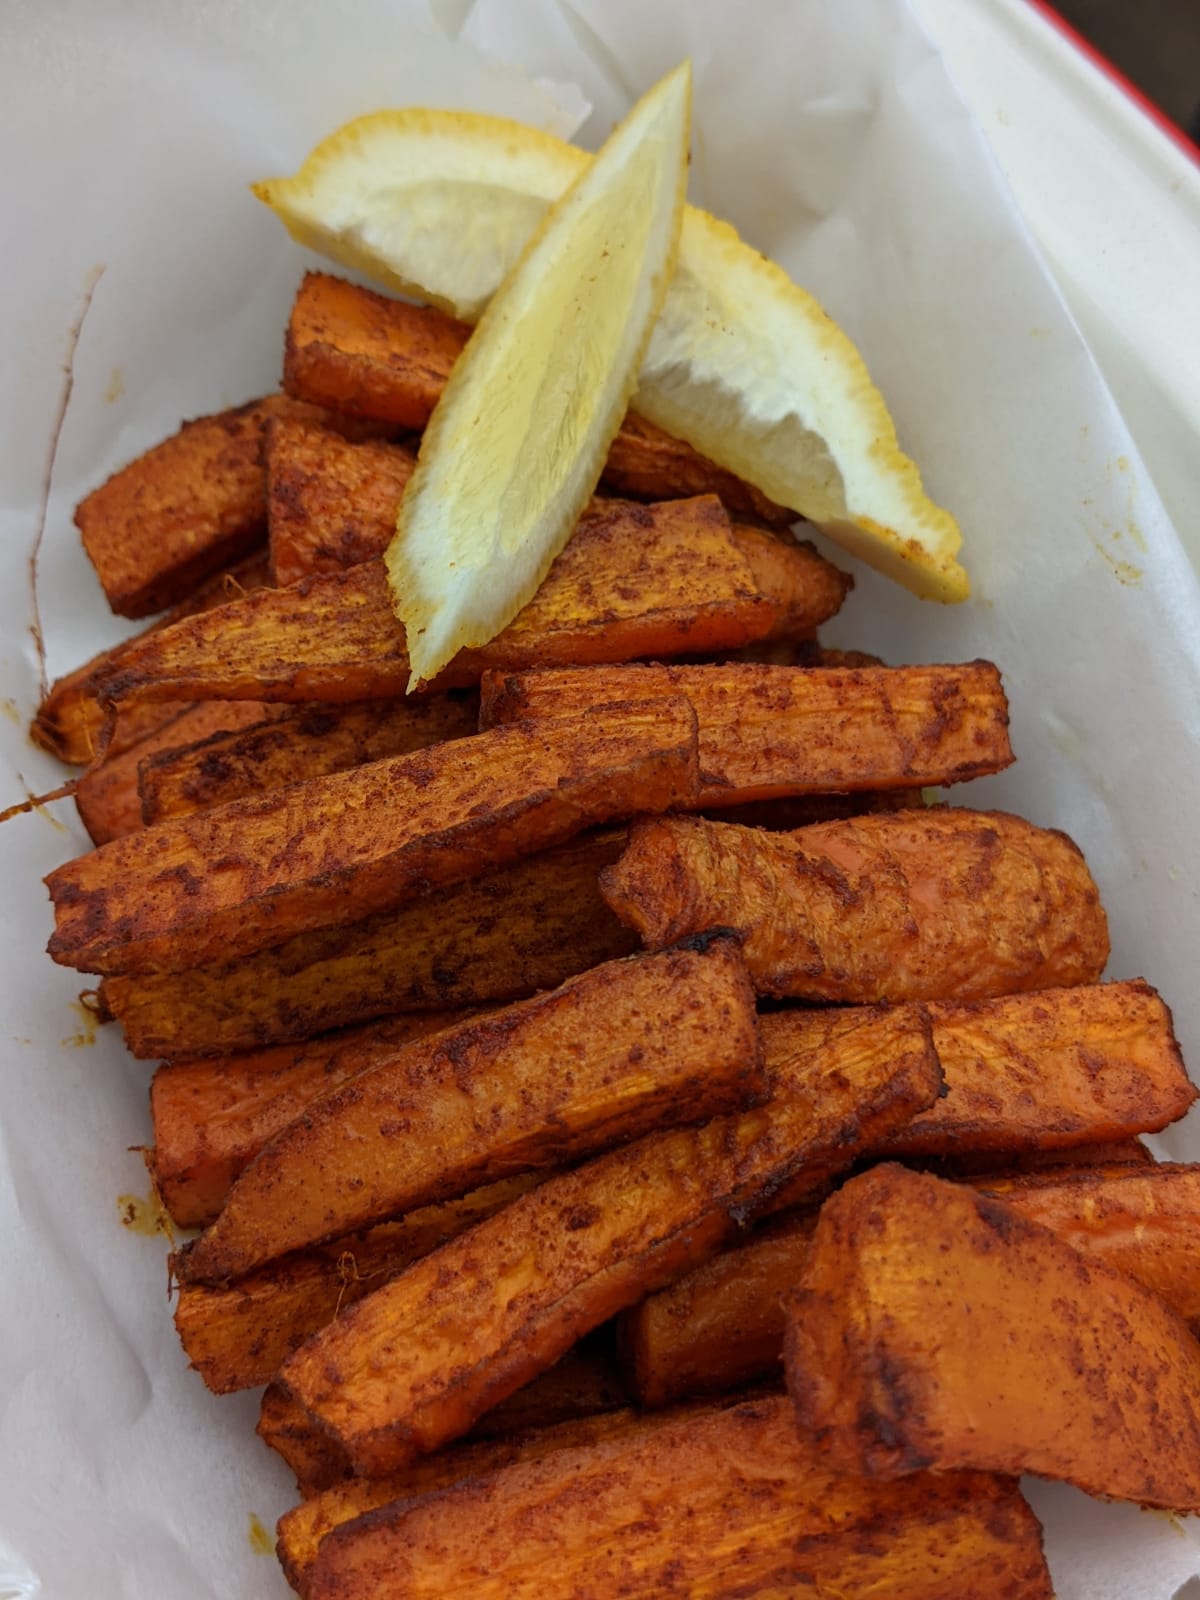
x: 723, y: 1502
x: 501, y: 936
x: 630, y: 1047
x: 663, y: 580
x: 366, y: 355
x: 767, y: 732
x: 909, y: 905
x: 413, y: 1365
x: 934, y: 1326
x: 319, y: 855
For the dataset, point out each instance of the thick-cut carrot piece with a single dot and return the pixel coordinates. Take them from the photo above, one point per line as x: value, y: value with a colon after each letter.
x: 369, y: 356
x: 1143, y: 1220
x: 109, y: 799
x: 70, y: 719
x: 662, y: 580
x: 722, y: 1324
x: 318, y: 855
x: 211, y: 1118
x: 330, y: 503
x: 285, y: 1427
x: 909, y: 905
x: 333, y: 504
x: 524, y: 927
x: 1031, y: 1071
x: 638, y: 1044
x: 1059, y: 1067
x: 766, y: 731
x: 413, y: 1365
x: 302, y: 1529
x: 938, y: 1327
x: 189, y: 506
x: 237, y: 1337
x: 297, y: 744
x: 723, y: 1502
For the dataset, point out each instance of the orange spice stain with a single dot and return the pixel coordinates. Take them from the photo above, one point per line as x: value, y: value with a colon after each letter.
x: 261, y: 1540
x: 144, y: 1215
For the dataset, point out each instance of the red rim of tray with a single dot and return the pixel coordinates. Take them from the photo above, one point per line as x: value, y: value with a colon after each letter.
x: 1146, y: 106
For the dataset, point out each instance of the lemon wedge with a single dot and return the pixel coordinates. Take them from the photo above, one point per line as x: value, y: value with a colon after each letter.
x: 742, y: 362
x: 517, y: 442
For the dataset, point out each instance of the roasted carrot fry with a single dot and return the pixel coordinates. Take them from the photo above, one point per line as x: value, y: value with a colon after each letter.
x: 723, y: 1324
x: 651, y: 1041
x: 369, y: 356
x: 330, y: 503
x: 937, y: 1327
x: 720, y: 1325
x: 1060, y: 1067
x: 109, y: 799
x: 766, y: 732
x: 521, y: 928
x: 908, y: 905
x: 70, y: 720
x: 211, y: 1118
x: 1143, y: 1220
x: 662, y: 580
x: 302, y: 1529
x: 413, y: 1365
x: 319, y: 855
x: 724, y: 1502
x: 238, y: 1337
x: 192, y: 504
x: 308, y: 742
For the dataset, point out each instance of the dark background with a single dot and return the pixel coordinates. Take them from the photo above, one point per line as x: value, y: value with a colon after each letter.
x: 1154, y: 43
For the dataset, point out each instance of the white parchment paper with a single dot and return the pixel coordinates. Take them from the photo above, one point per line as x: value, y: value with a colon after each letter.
x: 830, y: 134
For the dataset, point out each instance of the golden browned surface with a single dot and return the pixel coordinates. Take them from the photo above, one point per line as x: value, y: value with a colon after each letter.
x: 192, y: 504
x: 109, y: 799
x: 330, y: 503
x: 766, y: 732
x: 237, y: 1337
x: 720, y: 1325
x: 524, y: 927
x: 1060, y: 1067
x: 213, y: 1117
x: 336, y: 636
x: 413, y: 1365
x: 370, y: 356
x: 726, y: 1502
x: 69, y: 721
x: 933, y: 904
x: 302, y: 1529
x: 317, y: 1460
x: 1144, y: 1220
x: 307, y: 742
x: 938, y: 1327
x: 638, y: 1044
x: 318, y: 855
x: 661, y: 580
